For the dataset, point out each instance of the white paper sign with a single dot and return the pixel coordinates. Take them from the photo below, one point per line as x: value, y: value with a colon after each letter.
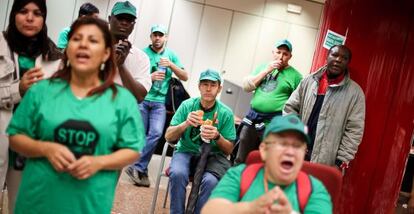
x: 332, y: 38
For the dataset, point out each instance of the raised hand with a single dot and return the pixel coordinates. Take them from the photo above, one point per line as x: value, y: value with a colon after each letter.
x: 121, y: 51
x: 29, y: 78
x: 157, y: 75
x: 194, y: 119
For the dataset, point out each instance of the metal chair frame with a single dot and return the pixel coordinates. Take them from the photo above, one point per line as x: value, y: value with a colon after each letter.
x: 158, y: 180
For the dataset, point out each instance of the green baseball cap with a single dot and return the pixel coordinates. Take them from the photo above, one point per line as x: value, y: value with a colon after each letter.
x: 210, y: 74
x: 124, y: 8
x: 158, y: 28
x: 289, y: 122
x: 284, y: 42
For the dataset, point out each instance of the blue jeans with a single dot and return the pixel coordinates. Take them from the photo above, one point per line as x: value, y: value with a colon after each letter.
x: 153, y: 114
x: 179, y: 178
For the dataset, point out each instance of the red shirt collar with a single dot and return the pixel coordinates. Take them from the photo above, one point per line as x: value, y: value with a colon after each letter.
x: 337, y: 80
x: 324, y: 82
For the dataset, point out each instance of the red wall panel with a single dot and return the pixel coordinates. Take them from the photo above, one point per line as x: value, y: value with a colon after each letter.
x: 380, y: 34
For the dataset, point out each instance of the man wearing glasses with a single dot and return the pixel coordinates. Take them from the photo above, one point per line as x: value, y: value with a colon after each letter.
x: 274, y: 188
x: 133, y: 64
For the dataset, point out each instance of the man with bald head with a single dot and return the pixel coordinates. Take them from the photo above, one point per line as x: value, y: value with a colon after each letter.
x: 332, y: 105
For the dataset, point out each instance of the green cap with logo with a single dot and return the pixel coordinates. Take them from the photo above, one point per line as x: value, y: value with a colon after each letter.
x: 284, y: 42
x: 210, y: 74
x: 289, y: 122
x: 158, y: 28
x: 124, y: 8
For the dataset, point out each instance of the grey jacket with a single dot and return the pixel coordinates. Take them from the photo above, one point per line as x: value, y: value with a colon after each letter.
x: 9, y: 80
x: 341, y: 120
x: 10, y: 95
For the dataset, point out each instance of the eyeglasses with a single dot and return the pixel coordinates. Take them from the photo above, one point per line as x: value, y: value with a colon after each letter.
x: 283, y: 144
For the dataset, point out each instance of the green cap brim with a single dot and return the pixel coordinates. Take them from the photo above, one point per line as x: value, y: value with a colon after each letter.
x: 123, y: 11
x: 210, y: 78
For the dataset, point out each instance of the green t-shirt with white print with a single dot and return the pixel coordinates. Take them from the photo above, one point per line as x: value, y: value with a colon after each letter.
x: 225, y: 125
x: 229, y: 188
x: 159, y: 88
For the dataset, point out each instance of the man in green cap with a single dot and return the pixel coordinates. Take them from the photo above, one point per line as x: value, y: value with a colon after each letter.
x: 164, y: 62
x: 272, y: 83
x: 274, y: 188
x: 200, y: 118
x: 133, y: 63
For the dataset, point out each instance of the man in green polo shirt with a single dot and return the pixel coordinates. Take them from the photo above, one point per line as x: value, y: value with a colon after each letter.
x: 164, y: 62
x: 189, y: 126
x: 274, y: 188
x: 272, y: 83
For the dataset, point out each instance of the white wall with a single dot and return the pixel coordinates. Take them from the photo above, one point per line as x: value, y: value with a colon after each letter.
x: 232, y: 35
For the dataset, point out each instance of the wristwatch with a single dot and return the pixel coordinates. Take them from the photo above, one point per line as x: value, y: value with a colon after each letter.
x: 218, y: 137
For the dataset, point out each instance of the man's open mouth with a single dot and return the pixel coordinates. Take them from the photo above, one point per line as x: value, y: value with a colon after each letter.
x: 287, y: 164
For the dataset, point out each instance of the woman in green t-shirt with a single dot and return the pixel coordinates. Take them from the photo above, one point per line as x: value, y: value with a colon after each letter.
x: 77, y: 129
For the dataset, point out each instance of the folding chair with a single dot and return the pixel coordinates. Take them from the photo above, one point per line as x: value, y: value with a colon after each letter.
x: 159, y: 175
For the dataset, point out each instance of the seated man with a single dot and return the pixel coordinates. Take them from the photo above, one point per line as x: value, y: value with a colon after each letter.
x: 274, y: 187
x: 188, y: 126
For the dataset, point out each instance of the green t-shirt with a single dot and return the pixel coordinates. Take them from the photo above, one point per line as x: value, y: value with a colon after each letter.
x: 225, y: 125
x: 25, y: 63
x: 271, y: 95
x: 158, y: 91
x: 96, y: 125
x: 229, y: 188
x: 63, y: 38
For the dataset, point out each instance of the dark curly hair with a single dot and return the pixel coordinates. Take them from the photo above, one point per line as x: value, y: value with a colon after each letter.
x: 87, y: 9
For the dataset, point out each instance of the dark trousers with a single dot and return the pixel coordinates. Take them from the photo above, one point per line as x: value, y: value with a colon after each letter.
x: 251, y: 134
x: 249, y: 140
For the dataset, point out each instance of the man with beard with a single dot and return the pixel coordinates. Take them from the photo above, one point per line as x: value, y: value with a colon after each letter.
x: 133, y: 64
x: 164, y: 62
x: 333, y: 107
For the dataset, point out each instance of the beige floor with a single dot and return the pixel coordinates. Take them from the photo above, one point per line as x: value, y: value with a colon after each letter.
x: 130, y: 199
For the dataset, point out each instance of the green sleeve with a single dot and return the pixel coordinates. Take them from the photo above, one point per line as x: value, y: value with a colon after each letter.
x: 176, y: 61
x: 229, y: 185
x: 23, y: 120
x: 298, y: 79
x: 258, y: 69
x: 131, y: 134
x: 181, y: 114
x: 320, y: 200
x: 63, y: 38
x: 228, y: 129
